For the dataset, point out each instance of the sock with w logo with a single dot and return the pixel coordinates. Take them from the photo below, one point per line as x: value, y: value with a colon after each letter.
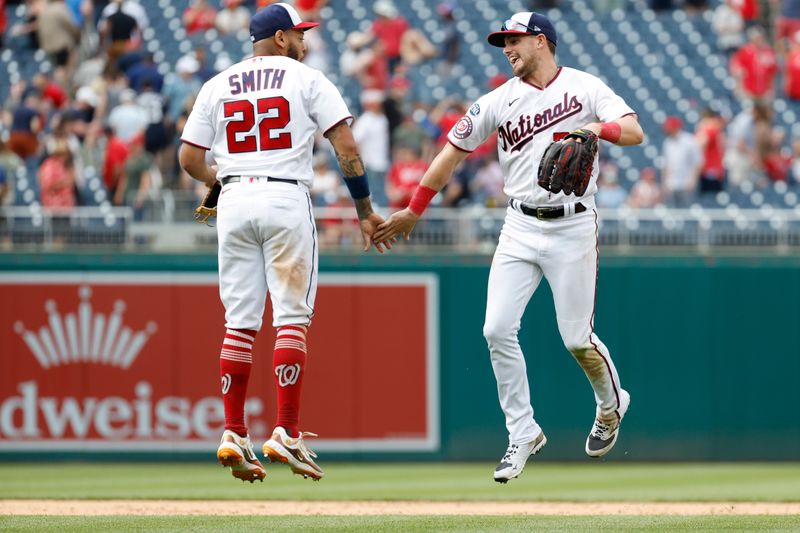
x: 235, y: 362
x: 289, y: 364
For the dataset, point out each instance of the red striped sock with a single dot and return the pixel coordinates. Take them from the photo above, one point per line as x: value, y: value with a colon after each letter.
x: 235, y: 362
x: 289, y: 364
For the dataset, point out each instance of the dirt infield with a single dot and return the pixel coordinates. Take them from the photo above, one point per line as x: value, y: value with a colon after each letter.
x: 366, y: 508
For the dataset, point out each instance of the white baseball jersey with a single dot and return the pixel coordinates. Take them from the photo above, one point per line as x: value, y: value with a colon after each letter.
x: 258, y: 117
x: 528, y: 119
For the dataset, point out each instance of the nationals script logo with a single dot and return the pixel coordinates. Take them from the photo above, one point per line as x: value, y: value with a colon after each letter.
x: 514, y: 135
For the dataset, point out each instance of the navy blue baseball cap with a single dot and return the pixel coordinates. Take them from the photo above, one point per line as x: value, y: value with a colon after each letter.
x: 274, y: 17
x: 525, y: 23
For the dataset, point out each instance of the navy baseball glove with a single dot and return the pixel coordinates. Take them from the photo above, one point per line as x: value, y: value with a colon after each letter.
x: 567, y: 164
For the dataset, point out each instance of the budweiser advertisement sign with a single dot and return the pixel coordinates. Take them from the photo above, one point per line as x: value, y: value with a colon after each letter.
x: 130, y: 362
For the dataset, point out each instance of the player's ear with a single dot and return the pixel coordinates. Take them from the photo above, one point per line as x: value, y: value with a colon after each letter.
x: 280, y: 38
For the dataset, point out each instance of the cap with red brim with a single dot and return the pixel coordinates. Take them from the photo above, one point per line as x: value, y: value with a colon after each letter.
x: 524, y: 23
x: 275, y: 17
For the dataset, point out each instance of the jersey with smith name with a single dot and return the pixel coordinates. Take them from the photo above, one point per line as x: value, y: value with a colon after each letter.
x: 258, y: 117
x: 528, y: 119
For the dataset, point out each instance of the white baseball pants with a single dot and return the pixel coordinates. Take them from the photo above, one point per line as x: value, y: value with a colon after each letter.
x: 267, y: 242
x: 564, y: 251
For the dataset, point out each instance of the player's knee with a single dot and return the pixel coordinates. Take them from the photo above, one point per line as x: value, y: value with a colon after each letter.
x: 577, y: 344
x: 496, y: 332
x: 580, y: 351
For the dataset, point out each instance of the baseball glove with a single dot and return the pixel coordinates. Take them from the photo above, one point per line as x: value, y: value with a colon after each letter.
x: 567, y: 164
x: 208, y: 207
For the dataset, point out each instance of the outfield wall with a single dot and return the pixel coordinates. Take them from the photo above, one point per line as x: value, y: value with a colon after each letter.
x: 398, y: 367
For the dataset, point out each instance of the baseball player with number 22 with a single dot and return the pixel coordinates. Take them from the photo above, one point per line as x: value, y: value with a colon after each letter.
x: 258, y: 120
x: 548, y: 119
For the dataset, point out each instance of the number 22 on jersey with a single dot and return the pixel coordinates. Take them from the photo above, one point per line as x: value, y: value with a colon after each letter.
x: 277, y: 107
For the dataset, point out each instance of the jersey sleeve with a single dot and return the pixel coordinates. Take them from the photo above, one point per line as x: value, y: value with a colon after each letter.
x: 608, y: 105
x: 199, y: 128
x: 475, y: 126
x: 327, y: 105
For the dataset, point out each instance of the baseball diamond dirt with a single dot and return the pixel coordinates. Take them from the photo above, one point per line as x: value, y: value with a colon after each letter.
x: 368, y: 508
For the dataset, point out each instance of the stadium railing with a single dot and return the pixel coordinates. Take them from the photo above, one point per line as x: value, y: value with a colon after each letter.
x: 464, y: 230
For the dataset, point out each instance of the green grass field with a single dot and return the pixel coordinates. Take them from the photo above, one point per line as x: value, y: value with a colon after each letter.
x: 573, y: 482
x: 596, y: 481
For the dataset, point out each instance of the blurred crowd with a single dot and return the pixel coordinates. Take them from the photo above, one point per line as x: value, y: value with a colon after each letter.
x: 761, y: 42
x: 106, y: 106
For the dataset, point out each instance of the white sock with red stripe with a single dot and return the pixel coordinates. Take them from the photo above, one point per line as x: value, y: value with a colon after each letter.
x: 235, y: 362
x: 289, y: 364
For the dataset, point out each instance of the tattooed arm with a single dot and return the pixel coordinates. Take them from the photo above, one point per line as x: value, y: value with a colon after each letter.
x: 351, y: 165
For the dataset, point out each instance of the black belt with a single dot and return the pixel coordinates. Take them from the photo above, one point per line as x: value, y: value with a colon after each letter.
x: 546, y: 212
x: 236, y: 179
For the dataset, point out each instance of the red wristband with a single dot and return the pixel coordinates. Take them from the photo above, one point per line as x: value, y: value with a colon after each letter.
x: 610, y: 131
x: 422, y: 197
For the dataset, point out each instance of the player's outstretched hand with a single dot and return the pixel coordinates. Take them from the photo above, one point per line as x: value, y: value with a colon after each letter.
x: 369, y: 226
x: 399, y: 223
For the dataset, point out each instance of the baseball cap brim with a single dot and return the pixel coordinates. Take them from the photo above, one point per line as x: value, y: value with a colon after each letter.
x: 498, y: 38
x: 305, y: 26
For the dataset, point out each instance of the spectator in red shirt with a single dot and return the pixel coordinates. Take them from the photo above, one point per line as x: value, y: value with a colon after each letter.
x: 792, y: 66
x: 445, y: 115
x: 389, y: 28
x: 365, y: 61
x: 114, y: 166
x: 754, y: 66
x: 404, y: 176
x: 57, y: 178
x: 376, y: 72
x: 199, y: 16
x: 777, y: 160
x: 749, y: 11
x: 52, y: 92
x: 309, y: 9
x: 711, y: 138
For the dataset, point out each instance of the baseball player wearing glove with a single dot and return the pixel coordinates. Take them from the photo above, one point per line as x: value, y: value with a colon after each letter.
x: 208, y: 207
x: 258, y: 119
x: 567, y: 164
x: 548, y: 119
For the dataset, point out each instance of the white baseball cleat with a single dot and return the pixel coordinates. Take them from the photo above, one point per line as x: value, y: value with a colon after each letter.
x: 516, y: 456
x: 604, y: 432
x: 281, y: 448
x: 237, y: 453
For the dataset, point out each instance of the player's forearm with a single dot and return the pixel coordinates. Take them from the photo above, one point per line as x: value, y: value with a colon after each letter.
x: 435, y: 178
x: 201, y: 172
x: 350, y: 164
x: 631, y: 131
x: 355, y: 178
x: 442, y: 168
x: 352, y: 167
x: 624, y: 131
x: 193, y: 161
x: 363, y: 207
x: 437, y: 175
